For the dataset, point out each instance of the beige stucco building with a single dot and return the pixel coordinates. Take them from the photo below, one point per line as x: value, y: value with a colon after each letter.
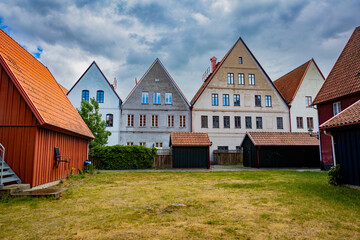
x: 299, y: 87
x: 236, y: 97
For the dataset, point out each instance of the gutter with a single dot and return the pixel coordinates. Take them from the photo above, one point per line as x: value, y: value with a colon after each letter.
x: 332, y: 146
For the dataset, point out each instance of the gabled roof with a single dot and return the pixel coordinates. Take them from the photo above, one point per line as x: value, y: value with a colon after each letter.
x: 289, y: 84
x: 189, y: 139
x: 218, y: 66
x: 157, y: 60
x: 282, y: 139
x: 349, y: 116
x: 65, y: 91
x: 344, y: 77
x: 40, y: 90
x: 94, y: 63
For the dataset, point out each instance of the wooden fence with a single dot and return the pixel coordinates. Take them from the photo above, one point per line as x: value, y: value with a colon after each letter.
x: 163, y: 159
x: 228, y: 157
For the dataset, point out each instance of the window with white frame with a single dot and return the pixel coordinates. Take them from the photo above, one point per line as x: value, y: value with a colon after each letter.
x: 236, y: 100
x: 336, y: 108
x: 241, y: 79
x: 308, y: 101
x: 154, y: 120
x: 225, y: 99
x: 268, y: 102
x: 157, y: 98
x: 145, y: 98
x: 130, y: 120
x: 158, y: 144
x: 215, y: 99
x: 182, y: 121
x: 251, y: 79
x: 168, y: 98
x: 170, y: 120
x: 142, y: 144
x: 130, y: 143
x: 142, y: 122
x: 230, y: 78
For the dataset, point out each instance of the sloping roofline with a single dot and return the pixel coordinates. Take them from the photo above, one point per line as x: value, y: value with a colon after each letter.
x: 101, y: 74
x: 207, y: 81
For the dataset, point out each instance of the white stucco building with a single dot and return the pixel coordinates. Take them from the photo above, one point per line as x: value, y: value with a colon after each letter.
x: 93, y: 84
x: 299, y: 87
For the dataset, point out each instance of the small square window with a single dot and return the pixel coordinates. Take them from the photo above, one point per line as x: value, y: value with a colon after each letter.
x: 157, y: 80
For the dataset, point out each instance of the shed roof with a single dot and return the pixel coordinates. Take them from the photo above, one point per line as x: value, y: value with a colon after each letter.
x: 40, y: 90
x: 189, y: 139
x: 349, y: 116
x: 282, y: 139
x: 344, y: 77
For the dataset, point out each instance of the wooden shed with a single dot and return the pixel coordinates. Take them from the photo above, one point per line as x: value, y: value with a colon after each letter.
x: 190, y: 150
x: 280, y: 149
x: 344, y: 130
x: 36, y: 117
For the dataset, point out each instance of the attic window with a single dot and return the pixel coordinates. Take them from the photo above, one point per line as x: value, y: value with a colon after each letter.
x: 157, y: 80
x: 240, y: 60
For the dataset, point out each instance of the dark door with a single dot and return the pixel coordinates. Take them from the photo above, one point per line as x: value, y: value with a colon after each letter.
x: 189, y: 157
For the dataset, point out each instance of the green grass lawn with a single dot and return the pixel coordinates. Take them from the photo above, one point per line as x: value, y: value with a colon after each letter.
x: 219, y: 205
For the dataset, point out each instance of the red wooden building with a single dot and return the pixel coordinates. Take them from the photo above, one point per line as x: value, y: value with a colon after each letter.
x: 35, y: 117
x: 340, y: 90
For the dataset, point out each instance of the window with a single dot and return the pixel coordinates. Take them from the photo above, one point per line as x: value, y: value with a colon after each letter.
x: 142, y: 144
x: 248, y: 122
x: 237, y: 121
x: 100, y: 96
x: 240, y: 60
x: 308, y: 101
x: 251, y: 79
x: 241, y: 79
x: 109, y: 120
x: 129, y: 143
x: 225, y: 99
x: 156, y: 98
x: 268, y: 102
x: 215, y: 99
x: 279, y: 123
x: 299, y: 122
x: 130, y: 122
x: 310, y: 123
x: 182, y: 121
x: 158, y: 145
x: 236, y: 100
x: 257, y: 101
x: 215, y: 121
x: 145, y: 98
x: 142, y: 122
x: 154, y: 120
x: 168, y: 98
x: 226, y: 122
x: 157, y: 80
x: 171, y: 121
x: 259, y: 122
x: 85, y: 95
x: 230, y: 78
x: 336, y: 108
x: 204, y: 121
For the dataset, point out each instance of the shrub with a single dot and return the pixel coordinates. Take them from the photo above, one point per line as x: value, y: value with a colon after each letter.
x: 335, y: 177
x: 123, y: 157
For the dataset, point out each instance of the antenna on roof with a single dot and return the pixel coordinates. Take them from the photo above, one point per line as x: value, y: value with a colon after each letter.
x: 114, y: 84
x: 135, y: 81
x: 206, y: 74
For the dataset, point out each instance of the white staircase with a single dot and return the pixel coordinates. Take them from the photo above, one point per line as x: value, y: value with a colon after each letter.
x: 7, y: 175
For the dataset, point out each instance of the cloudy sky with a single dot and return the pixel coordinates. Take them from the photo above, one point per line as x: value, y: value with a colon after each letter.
x: 125, y: 37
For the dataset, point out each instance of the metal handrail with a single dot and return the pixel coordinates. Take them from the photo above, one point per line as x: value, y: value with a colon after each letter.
x: 2, y: 149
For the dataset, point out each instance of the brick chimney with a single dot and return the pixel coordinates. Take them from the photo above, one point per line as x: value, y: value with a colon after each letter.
x: 213, y: 63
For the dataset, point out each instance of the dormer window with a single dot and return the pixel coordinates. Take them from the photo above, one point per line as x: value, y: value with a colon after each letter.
x: 85, y: 95
x: 240, y: 60
x: 100, y: 96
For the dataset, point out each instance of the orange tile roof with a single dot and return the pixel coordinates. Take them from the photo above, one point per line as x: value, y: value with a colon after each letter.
x: 282, y: 139
x: 189, y: 139
x: 344, y: 77
x: 65, y: 91
x: 40, y: 90
x: 349, y: 116
x: 290, y: 82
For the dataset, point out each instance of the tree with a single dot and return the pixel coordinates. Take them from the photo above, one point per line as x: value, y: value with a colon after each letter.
x: 91, y: 116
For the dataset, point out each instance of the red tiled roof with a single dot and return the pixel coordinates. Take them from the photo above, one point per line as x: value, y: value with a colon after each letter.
x: 282, y: 139
x: 40, y: 90
x: 289, y: 84
x: 65, y: 91
x: 189, y: 139
x: 349, y: 116
x: 344, y: 77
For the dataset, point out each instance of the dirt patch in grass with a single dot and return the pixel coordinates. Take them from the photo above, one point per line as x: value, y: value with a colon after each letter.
x: 195, y: 205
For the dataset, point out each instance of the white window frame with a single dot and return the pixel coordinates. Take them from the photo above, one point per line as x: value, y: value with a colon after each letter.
x: 251, y: 79
x: 336, y: 108
x: 241, y: 77
x: 145, y: 98
x: 168, y: 98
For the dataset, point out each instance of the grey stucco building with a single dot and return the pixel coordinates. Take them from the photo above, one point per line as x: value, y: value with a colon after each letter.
x: 154, y: 108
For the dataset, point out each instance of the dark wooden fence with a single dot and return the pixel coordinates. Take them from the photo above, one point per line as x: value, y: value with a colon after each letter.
x: 228, y: 157
x: 163, y: 159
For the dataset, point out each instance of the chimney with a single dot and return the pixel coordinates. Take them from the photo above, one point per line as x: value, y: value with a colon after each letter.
x: 213, y: 63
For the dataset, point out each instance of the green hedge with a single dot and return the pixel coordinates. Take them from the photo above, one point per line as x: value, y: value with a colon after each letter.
x: 122, y: 157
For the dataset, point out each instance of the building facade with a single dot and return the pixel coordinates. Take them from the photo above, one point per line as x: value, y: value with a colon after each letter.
x: 237, y: 96
x: 94, y: 84
x: 153, y: 109
x: 299, y: 87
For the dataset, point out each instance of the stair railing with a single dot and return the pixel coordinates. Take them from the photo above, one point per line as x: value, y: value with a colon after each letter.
x: 2, y: 153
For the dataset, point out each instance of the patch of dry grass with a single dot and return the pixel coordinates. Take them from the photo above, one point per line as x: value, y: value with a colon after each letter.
x: 219, y: 205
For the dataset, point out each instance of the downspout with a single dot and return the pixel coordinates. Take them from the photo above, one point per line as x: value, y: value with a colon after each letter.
x: 332, y: 146
x: 191, y: 127
x: 290, y: 117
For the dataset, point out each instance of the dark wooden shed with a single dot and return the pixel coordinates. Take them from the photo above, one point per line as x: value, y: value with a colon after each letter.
x: 280, y: 149
x: 36, y: 117
x: 190, y: 150
x: 344, y: 130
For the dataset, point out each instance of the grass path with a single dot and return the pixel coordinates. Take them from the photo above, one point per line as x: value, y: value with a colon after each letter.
x: 219, y: 205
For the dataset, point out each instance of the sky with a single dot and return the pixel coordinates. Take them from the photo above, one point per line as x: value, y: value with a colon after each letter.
x: 125, y: 37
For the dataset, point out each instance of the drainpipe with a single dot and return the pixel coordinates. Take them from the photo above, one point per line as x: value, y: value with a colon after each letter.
x: 290, y: 116
x: 332, y: 146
